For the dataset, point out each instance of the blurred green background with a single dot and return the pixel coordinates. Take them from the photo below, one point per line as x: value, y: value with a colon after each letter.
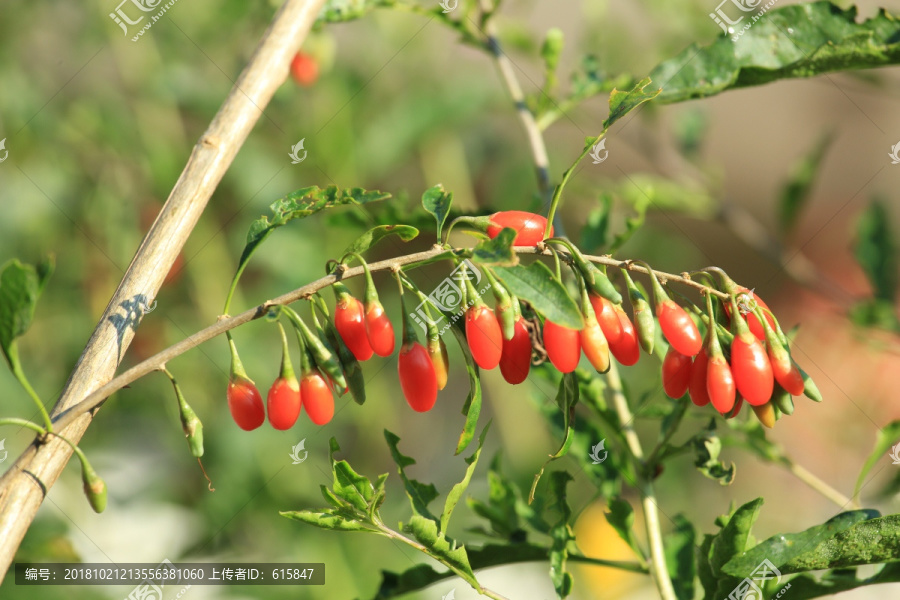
x: 98, y: 128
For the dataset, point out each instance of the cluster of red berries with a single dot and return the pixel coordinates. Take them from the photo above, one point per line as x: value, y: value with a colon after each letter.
x: 750, y: 363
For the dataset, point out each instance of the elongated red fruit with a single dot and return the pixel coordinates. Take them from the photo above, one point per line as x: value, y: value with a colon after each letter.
x: 318, y: 400
x: 245, y: 403
x: 379, y: 330
x: 720, y: 384
x: 563, y: 346
x: 484, y: 336
x: 678, y: 328
x: 350, y: 323
x: 304, y: 69
x: 784, y: 370
x: 627, y: 349
x: 605, y: 312
x: 515, y: 361
x: 283, y: 403
x: 697, y: 382
x: 676, y: 373
x: 417, y: 377
x: 752, y: 369
x: 529, y: 226
x: 595, y: 346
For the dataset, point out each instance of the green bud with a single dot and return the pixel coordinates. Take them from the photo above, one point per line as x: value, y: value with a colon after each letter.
x: 94, y: 487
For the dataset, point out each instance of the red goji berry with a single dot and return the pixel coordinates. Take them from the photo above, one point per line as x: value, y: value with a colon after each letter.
x: 379, y: 329
x: 417, y: 376
x: 563, y: 346
x: 349, y: 320
x: 697, y: 382
x: 679, y: 328
x: 720, y: 385
x: 529, y: 226
x: 484, y: 336
x: 676, y: 373
x: 245, y: 403
x: 283, y: 403
x: 515, y: 361
x: 304, y: 69
x: 318, y: 400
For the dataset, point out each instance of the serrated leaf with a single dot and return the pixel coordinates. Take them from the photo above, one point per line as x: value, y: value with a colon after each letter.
x: 876, y: 251
x: 796, y: 190
x: 420, y: 494
x: 850, y: 538
x: 472, y: 406
x: 566, y: 399
x: 376, y: 234
x: 561, y: 534
x: 621, y: 103
x: 457, y: 491
x: 333, y: 519
x: 707, y: 447
x: 884, y: 441
x: 437, y: 202
x: 732, y: 540
x: 426, y: 533
x: 20, y: 288
x: 500, y: 509
x: 680, y: 560
x: 596, y: 229
x: 348, y: 485
x: 620, y: 516
x: 537, y: 285
x: 800, y: 40
x: 498, y: 251
x: 297, y: 205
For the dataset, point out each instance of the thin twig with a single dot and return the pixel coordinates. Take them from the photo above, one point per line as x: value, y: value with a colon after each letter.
x: 820, y: 486
x: 39, y: 466
x: 658, y: 570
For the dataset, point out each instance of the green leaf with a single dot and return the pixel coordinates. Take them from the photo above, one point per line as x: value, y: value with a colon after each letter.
x: 376, y: 234
x: 885, y: 439
x: 348, y: 485
x: 297, y: 205
x: 850, y: 538
x: 334, y: 519
x: 561, y: 534
x: 420, y: 494
x: 500, y: 509
x: 732, y: 539
x: 566, y: 399
x: 596, y: 229
x: 437, y: 202
x: 536, y: 285
x: 621, y: 518
x: 680, y: 560
x: 876, y: 251
x: 498, y: 251
x: 621, y: 103
x: 800, y: 40
x: 797, y: 189
x: 20, y: 288
x: 472, y: 407
x: 457, y: 491
x: 707, y: 447
x: 804, y: 587
x: 704, y: 570
x: 552, y: 48
x: 426, y: 533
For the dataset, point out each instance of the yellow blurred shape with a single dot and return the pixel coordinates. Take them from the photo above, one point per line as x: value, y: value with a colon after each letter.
x: 596, y: 538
